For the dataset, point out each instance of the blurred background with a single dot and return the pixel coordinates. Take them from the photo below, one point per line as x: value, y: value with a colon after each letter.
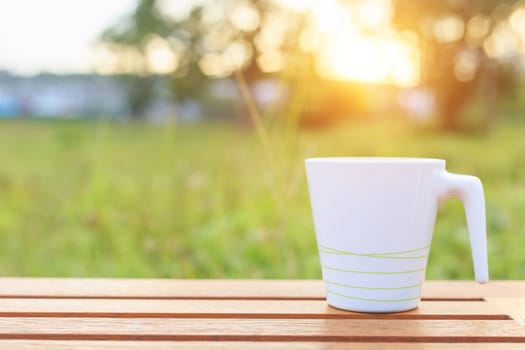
x: 166, y: 138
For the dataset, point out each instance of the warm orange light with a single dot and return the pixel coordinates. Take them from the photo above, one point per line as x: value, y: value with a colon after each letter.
x: 357, y: 43
x: 352, y: 58
x: 160, y: 56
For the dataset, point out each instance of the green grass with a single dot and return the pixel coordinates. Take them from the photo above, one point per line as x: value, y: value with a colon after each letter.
x: 99, y: 199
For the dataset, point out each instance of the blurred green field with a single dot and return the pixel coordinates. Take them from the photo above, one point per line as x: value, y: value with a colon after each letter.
x: 212, y: 200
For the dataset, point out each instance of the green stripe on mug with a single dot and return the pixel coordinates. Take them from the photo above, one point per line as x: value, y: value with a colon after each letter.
x: 376, y: 216
x: 373, y: 272
x: 328, y: 250
x: 372, y: 300
x: 373, y: 288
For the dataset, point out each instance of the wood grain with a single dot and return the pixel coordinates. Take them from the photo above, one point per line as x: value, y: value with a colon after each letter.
x: 471, y: 289
x: 160, y: 288
x: 514, y: 307
x: 235, y: 309
x: 239, y: 345
x: 228, y: 289
x: 54, y: 313
x: 214, y: 329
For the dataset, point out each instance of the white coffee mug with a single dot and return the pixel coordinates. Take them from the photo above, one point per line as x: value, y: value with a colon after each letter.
x: 374, y: 219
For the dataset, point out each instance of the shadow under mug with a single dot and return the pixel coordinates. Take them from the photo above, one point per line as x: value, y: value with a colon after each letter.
x: 374, y: 219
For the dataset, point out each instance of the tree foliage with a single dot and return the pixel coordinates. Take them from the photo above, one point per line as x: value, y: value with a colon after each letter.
x: 455, y: 42
x: 456, y: 39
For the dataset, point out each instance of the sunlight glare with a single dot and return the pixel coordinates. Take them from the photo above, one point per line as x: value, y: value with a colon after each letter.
x: 517, y: 23
x: 449, y: 28
x: 237, y: 54
x: 161, y: 58
x: 466, y: 65
x: 213, y: 65
x: 309, y: 39
x: 104, y: 60
x: 517, y: 20
x: 330, y: 17
x: 271, y: 61
x: 245, y: 17
x: 375, y: 13
x: 478, y: 27
x: 403, y: 59
x: 298, y: 5
x: 353, y: 58
x: 502, y: 43
x: 346, y: 52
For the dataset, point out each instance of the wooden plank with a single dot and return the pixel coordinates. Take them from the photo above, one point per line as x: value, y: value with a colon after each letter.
x: 470, y: 289
x: 228, y: 289
x: 160, y: 288
x: 514, y: 307
x: 206, y: 329
x: 234, y: 309
x: 168, y: 345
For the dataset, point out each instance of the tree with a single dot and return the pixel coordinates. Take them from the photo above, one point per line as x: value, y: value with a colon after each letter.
x: 128, y: 40
x: 213, y: 40
x: 458, y: 61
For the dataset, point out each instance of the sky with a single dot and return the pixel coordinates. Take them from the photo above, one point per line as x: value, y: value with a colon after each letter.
x: 54, y: 35
x: 59, y: 35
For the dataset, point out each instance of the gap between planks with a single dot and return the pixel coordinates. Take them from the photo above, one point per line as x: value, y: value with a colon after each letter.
x: 256, y: 289
x: 92, y: 308
x: 169, y: 345
x: 291, y: 339
x: 262, y: 330
x: 137, y: 297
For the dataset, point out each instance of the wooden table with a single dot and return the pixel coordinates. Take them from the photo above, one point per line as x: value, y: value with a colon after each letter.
x: 249, y: 314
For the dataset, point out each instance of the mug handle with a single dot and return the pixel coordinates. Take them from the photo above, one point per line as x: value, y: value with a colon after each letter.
x: 470, y: 191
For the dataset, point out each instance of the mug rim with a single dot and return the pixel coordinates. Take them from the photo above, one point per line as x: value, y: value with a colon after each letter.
x: 376, y: 160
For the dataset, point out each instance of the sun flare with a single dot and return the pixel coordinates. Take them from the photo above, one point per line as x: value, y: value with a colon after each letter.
x: 359, y: 45
x: 374, y: 60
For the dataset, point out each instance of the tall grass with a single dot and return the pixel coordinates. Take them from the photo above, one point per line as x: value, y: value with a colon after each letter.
x: 206, y: 200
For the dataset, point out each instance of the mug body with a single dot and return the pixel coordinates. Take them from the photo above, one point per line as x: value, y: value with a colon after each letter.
x: 374, y: 219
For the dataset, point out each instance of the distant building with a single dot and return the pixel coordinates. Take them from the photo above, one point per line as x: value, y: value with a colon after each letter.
x: 10, y: 106
x: 66, y: 96
x: 93, y: 96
